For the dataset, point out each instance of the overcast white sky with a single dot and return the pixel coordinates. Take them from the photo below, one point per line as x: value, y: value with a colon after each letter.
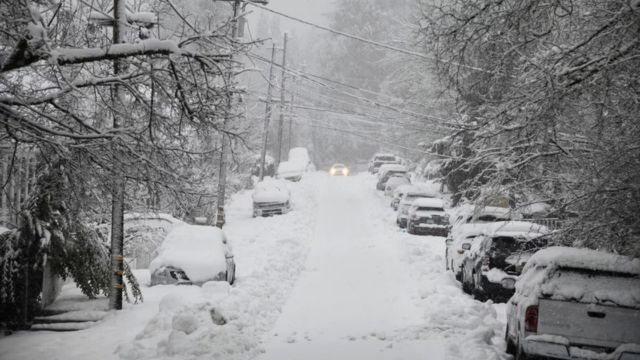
x: 311, y: 10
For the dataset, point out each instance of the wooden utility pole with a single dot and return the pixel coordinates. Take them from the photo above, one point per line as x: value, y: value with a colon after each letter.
x: 222, y: 171
x: 117, y: 200
x: 282, y: 101
x: 267, y: 115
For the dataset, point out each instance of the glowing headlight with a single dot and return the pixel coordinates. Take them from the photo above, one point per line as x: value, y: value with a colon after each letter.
x: 346, y: 171
x: 333, y: 171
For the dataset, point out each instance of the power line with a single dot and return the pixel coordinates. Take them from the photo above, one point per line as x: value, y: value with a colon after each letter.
x: 372, y: 42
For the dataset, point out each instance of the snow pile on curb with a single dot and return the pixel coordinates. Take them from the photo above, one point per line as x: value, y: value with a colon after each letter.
x: 219, y: 321
x: 470, y: 329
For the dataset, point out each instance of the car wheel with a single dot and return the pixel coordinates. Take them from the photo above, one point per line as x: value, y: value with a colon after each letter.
x: 410, y: 229
x: 477, y: 293
x: 231, y: 273
x: 511, y: 348
x: 520, y: 354
x: 465, y: 285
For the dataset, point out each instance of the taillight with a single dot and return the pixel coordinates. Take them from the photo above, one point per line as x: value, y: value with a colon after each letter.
x: 486, y: 264
x: 531, y: 319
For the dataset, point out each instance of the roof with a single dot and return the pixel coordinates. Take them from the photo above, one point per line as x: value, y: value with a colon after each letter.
x: 514, y: 228
x: 338, y: 165
x: 428, y: 202
x: 561, y: 256
x: 392, y: 167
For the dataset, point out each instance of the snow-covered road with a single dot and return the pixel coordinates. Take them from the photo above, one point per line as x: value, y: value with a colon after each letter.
x: 333, y: 279
x: 353, y: 294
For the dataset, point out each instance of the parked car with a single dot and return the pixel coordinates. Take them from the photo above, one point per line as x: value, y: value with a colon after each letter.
x: 387, y: 171
x: 496, y: 258
x: 339, y: 169
x: 405, y: 203
x: 576, y: 304
x: 271, y: 197
x: 469, y: 222
x: 379, y: 159
x: 393, y: 183
x: 193, y: 254
x: 300, y: 155
x: 143, y: 234
x: 290, y: 171
x: 427, y: 216
x: 398, y: 194
x: 458, y: 244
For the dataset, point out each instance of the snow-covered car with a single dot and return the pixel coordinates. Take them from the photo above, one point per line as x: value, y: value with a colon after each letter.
x: 393, y: 183
x: 469, y: 222
x: 456, y: 246
x: 339, y: 169
x: 291, y: 171
x: 387, y: 171
x: 398, y: 194
x: 193, y: 254
x: 427, y: 216
x: 492, y: 265
x: 380, y: 159
x: 405, y: 203
x: 300, y: 155
x: 143, y: 234
x: 576, y: 304
x: 271, y: 197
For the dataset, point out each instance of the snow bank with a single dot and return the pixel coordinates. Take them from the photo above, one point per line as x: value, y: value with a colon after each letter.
x: 198, y: 250
x: 217, y: 321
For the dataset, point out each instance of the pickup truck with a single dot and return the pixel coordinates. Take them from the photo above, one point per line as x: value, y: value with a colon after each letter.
x: 576, y: 304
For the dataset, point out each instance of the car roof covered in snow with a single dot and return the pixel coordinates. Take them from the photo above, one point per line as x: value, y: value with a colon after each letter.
x: 561, y: 256
x: 428, y: 202
x: 336, y: 165
x: 394, y: 180
x: 198, y: 250
x: 402, y: 189
x: 288, y: 166
x: 515, y: 228
x: 391, y: 167
x: 271, y: 190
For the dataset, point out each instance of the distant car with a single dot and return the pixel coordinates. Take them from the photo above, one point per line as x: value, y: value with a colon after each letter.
x: 290, y: 171
x: 193, y: 254
x: 379, y: 159
x: 271, y: 197
x: 387, y: 171
x: 427, y: 216
x: 576, y: 303
x: 405, y: 204
x: 339, y: 169
x: 394, y: 183
x: 398, y: 194
x: 496, y: 258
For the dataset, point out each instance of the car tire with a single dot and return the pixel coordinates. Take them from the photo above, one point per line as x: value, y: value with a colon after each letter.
x: 410, y: 229
x: 475, y: 291
x: 511, y: 347
x: 465, y: 286
x: 231, y: 278
x: 520, y: 354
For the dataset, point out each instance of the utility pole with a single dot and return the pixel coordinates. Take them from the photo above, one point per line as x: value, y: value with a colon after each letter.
x: 282, y: 90
x: 267, y: 115
x: 226, y: 142
x: 117, y: 193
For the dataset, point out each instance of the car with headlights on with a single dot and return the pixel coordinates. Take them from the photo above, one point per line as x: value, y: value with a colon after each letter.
x: 427, y: 217
x: 339, y: 170
x: 406, y: 202
x: 271, y: 197
x: 572, y: 303
x: 193, y: 255
x: 492, y: 265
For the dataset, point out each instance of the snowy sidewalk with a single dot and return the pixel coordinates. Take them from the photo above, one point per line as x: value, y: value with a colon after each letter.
x: 354, y: 294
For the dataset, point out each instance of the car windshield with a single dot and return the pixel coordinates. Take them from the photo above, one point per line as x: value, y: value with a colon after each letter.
x: 509, y: 245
